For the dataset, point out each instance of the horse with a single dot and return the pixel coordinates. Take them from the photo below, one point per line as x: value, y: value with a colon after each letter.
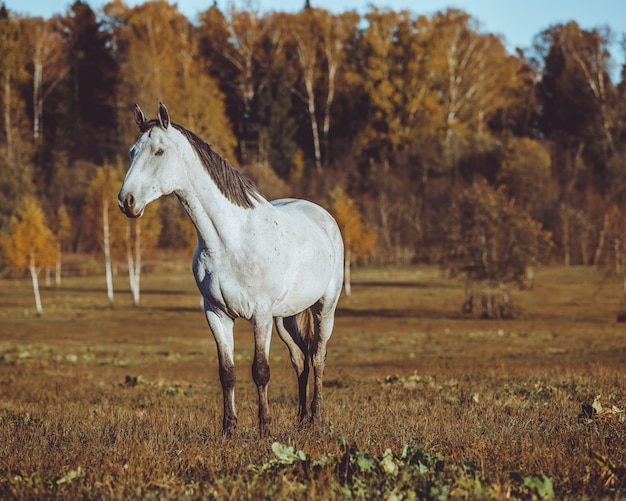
x: 278, y: 262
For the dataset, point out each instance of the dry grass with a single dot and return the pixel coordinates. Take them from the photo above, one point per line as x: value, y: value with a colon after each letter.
x: 125, y: 402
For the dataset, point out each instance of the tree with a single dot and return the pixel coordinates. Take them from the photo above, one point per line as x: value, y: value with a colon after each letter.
x: 305, y: 33
x: 62, y: 226
x: 476, y: 79
x: 233, y: 49
x: 140, y: 236
x: 276, y: 124
x: 100, y: 217
x: 492, y: 241
x: 12, y: 66
x: 580, y: 115
x: 86, y: 111
x: 15, y: 145
x: 578, y: 96
x: 525, y: 175
x: 29, y: 244
x: 336, y: 33
x: 358, y: 239
x: 159, y: 62
x: 401, y: 94
x: 48, y: 68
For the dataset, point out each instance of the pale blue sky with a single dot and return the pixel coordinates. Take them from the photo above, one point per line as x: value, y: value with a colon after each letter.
x: 517, y: 22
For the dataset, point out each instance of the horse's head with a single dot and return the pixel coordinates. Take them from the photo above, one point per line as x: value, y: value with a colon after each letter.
x: 153, y: 160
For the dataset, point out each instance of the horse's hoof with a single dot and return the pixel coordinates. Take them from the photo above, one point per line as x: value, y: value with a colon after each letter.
x: 228, y: 427
x: 264, y: 427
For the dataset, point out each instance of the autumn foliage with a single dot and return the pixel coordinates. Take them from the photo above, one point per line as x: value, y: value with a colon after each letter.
x: 29, y: 244
x: 401, y: 110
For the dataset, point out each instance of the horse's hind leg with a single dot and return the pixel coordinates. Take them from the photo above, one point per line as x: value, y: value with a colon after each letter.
x: 288, y: 331
x: 324, y: 322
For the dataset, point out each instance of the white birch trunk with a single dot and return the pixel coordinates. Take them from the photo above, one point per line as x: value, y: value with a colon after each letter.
x: 346, y: 272
x: 312, y: 115
x: 37, y: 99
x: 134, y: 261
x: 106, y: 244
x: 57, y: 274
x: 33, y: 276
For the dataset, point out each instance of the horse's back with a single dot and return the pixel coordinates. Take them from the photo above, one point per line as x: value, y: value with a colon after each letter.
x: 315, y: 213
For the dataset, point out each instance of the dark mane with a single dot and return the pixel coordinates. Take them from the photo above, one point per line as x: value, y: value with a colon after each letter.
x: 236, y: 187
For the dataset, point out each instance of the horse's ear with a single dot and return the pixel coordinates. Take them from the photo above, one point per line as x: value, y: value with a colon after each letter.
x: 164, y: 116
x: 140, y: 118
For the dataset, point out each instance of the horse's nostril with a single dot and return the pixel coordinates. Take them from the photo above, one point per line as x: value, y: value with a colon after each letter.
x: 130, y: 200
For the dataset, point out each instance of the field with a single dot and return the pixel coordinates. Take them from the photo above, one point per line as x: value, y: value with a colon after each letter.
x: 421, y: 400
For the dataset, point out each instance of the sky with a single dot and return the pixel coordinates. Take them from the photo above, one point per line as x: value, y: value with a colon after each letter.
x: 516, y: 21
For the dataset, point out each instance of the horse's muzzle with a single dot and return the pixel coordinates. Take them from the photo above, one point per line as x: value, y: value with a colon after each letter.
x: 127, y: 205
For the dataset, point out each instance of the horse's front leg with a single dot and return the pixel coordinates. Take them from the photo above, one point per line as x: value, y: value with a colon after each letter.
x: 261, y: 370
x: 222, y: 328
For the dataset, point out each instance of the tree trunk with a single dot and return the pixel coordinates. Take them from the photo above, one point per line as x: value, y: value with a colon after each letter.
x: 488, y: 300
x: 106, y: 244
x: 33, y: 276
x: 37, y: 101
x: 314, y: 128
x: 57, y: 274
x: 332, y: 70
x: 505, y: 307
x: 601, y: 239
x: 134, y: 262
x: 346, y: 272
x: 566, y: 253
x: 7, y: 116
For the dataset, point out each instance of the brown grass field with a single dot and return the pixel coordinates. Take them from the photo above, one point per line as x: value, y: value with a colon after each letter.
x: 422, y: 402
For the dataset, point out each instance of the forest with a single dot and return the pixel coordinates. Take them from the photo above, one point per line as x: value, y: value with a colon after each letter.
x: 440, y: 146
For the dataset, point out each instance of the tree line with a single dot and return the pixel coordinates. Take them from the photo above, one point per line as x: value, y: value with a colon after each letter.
x: 451, y: 149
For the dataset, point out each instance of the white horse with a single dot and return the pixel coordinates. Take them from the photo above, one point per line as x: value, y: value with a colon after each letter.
x: 258, y: 260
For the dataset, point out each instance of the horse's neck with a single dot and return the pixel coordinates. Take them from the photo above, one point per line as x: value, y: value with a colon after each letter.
x: 218, y: 221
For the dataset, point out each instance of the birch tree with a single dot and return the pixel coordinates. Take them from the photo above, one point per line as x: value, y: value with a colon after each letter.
x: 318, y: 40
x: 160, y: 63
x: 305, y: 35
x: 11, y: 71
x: 141, y: 235
x: 100, y: 217
x: 29, y: 244
x: 476, y: 79
x: 48, y: 68
x: 233, y: 47
x: 580, y: 114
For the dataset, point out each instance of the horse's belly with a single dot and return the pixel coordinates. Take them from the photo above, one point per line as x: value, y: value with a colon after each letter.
x: 299, y: 295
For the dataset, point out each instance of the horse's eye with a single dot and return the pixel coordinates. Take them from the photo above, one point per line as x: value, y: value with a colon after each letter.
x: 159, y: 152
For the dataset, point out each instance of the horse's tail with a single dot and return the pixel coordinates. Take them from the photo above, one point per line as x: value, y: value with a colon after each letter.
x: 306, y: 327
